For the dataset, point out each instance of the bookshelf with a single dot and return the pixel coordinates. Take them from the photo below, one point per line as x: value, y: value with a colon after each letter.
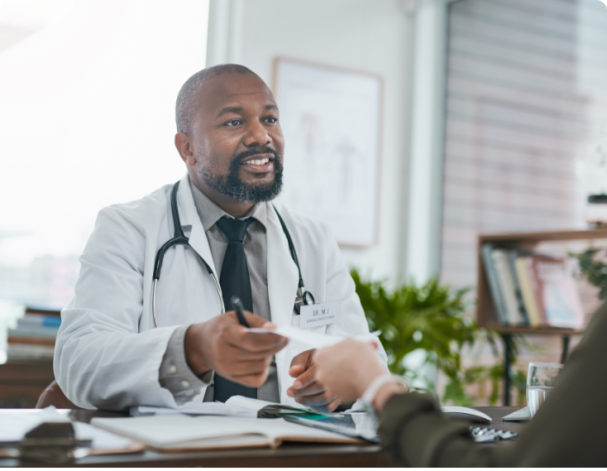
x: 486, y: 312
x: 22, y: 381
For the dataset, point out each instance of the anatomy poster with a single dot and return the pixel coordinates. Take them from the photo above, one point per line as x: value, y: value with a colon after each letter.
x: 330, y: 119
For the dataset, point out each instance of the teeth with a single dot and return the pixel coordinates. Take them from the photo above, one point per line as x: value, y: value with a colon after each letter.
x: 257, y: 161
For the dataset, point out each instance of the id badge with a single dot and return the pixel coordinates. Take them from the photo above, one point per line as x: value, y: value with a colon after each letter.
x: 316, y: 315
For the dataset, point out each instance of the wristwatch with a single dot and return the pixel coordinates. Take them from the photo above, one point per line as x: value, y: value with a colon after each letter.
x: 374, y: 387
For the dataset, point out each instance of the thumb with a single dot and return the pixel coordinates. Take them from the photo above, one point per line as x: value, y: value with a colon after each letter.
x: 300, y: 363
x: 254, y: 320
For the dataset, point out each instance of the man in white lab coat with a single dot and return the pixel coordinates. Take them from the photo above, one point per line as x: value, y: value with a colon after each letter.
x: 113, y: 351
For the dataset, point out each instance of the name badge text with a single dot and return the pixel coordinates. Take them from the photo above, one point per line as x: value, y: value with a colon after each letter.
x: 316, y: 315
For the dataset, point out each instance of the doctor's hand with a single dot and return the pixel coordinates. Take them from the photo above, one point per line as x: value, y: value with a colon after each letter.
x: 224, y: 346
x: 307, y: 389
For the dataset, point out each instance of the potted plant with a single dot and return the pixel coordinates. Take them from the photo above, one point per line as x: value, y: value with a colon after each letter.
x: 430, y: 317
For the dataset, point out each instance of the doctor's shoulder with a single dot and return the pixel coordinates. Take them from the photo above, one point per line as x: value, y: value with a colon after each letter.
x: 139, y: 214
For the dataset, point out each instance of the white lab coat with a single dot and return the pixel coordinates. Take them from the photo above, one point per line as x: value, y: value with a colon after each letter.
x: 108, y: 352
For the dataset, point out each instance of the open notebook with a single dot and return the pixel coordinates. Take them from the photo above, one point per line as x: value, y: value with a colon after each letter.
x: 185, y: 433
x: 236, y: 406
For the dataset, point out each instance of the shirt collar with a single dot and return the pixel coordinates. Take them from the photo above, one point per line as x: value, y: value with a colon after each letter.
x: 210, y: 213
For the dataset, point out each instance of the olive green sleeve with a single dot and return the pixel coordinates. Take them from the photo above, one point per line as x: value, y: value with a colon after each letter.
x: 568, y: 430
x: 414, y: 432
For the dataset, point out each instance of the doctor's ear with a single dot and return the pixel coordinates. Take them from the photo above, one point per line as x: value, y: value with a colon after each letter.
x: 183, y: 144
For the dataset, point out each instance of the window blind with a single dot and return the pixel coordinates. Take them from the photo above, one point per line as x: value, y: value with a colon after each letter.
x: 526, y: 90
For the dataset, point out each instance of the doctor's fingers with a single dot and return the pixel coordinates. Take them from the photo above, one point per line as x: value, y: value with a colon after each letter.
x: 247, y: 367
x: 252, y: 378
x: 253, y: 320
x: 230, y: 354
x: 257, y: 342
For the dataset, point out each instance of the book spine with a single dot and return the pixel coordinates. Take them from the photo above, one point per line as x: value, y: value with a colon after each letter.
x: 537, y: 285
x: 53, y: 322
x: 507, y: 286
x: 32, y: 331
x: 12, y: 339
x: 512, y: 256
x: 486, y: 251
x: 30, y: 352
x: 527, y: 292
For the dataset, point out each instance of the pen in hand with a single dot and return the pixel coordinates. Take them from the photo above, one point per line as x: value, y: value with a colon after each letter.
x: 238, y: 307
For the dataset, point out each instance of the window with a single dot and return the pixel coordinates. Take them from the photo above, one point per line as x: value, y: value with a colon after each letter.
x: 88, y: 91
x: 526, y: 99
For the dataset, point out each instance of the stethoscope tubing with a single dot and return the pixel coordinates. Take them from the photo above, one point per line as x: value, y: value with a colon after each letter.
x: 179, y: 238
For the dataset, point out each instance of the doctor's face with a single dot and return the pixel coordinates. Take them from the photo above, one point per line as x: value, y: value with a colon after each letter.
x: 236, y: 142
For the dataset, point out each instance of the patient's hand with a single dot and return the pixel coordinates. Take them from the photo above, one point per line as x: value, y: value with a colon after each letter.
x: 307, y: 389
x: 348, y: 368
x: 223, y: 345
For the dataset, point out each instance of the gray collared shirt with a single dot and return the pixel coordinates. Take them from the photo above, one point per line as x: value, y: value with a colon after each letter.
x: 174, y: 374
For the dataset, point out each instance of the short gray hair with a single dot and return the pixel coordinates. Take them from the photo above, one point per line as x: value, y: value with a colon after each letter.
x: 186, y: 99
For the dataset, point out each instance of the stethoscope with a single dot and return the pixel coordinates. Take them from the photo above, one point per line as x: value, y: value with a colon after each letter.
x: 303, y: 297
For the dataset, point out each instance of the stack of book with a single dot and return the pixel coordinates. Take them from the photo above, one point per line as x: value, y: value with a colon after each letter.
x: 34, y: 337
x: 531, y: 289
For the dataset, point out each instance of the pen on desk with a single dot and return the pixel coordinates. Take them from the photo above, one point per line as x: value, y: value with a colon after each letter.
x: 238, y: 307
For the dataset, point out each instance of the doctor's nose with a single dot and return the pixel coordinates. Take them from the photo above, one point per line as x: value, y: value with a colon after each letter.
x: 256, y: 135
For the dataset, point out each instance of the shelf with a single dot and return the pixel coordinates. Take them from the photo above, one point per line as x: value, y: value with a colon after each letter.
x: 515, y: 237
x: 513, y: 329
x: 486, y: 315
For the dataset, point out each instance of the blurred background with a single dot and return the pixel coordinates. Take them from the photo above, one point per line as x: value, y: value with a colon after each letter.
x: 488, y: 117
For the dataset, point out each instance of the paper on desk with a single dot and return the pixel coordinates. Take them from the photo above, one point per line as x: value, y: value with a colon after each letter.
x: 313, y: 339
x: 101, y: 439
x: 14, y: 424
x: 199, y: 408
x: 236, y: 406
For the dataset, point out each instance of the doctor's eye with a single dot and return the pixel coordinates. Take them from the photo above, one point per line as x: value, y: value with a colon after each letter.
x: 271, y: 119
x: 234, y: 122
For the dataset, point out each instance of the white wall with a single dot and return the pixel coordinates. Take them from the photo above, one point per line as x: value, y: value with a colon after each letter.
x: 368, y: 35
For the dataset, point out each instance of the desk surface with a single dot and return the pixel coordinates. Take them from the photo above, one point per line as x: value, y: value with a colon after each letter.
x: 288, y: 455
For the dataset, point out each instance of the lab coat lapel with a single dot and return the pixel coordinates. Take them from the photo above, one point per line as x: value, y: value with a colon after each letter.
x: 282, y: 272
x: 282, y: 288
x: 189, y: 217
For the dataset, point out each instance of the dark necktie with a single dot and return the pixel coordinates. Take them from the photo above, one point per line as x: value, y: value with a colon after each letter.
x: 234, y: 281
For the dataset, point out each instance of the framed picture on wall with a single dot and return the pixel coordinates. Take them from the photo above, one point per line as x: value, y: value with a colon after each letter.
x: 331, y: 121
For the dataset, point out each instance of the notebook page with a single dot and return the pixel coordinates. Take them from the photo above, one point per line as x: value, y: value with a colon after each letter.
x: 164, y: 430
x: 248, y: 403
x: 280, y: 430
x: 179, y: 431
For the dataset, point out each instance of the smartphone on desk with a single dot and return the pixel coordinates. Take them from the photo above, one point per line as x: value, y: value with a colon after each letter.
x: 355, y: 424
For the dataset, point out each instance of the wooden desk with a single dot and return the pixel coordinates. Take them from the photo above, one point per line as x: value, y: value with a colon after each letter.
x: 289, y: 455
x: 22, y: 382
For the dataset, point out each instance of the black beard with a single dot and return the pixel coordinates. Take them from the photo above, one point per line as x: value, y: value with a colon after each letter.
x: 232, y: 186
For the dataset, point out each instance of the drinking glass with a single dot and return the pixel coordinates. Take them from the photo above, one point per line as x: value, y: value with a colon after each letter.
x: 541, y: 378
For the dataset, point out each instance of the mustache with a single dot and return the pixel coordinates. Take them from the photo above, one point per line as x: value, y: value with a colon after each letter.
x: 256, y: 151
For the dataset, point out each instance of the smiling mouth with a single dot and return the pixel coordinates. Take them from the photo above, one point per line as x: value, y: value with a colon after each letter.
x: 263, y: 161
x: 259, y: 163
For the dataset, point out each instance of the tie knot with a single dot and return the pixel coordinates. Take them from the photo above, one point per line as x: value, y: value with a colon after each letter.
x: 234, y: 229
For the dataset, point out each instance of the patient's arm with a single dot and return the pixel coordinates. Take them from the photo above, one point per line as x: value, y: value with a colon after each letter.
x: 568, y: 429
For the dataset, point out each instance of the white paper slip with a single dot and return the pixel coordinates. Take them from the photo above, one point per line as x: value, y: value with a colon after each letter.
x: 236, y: 406
x: 198, y: 408
x: 255, y: 405
x: 312, y: 339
